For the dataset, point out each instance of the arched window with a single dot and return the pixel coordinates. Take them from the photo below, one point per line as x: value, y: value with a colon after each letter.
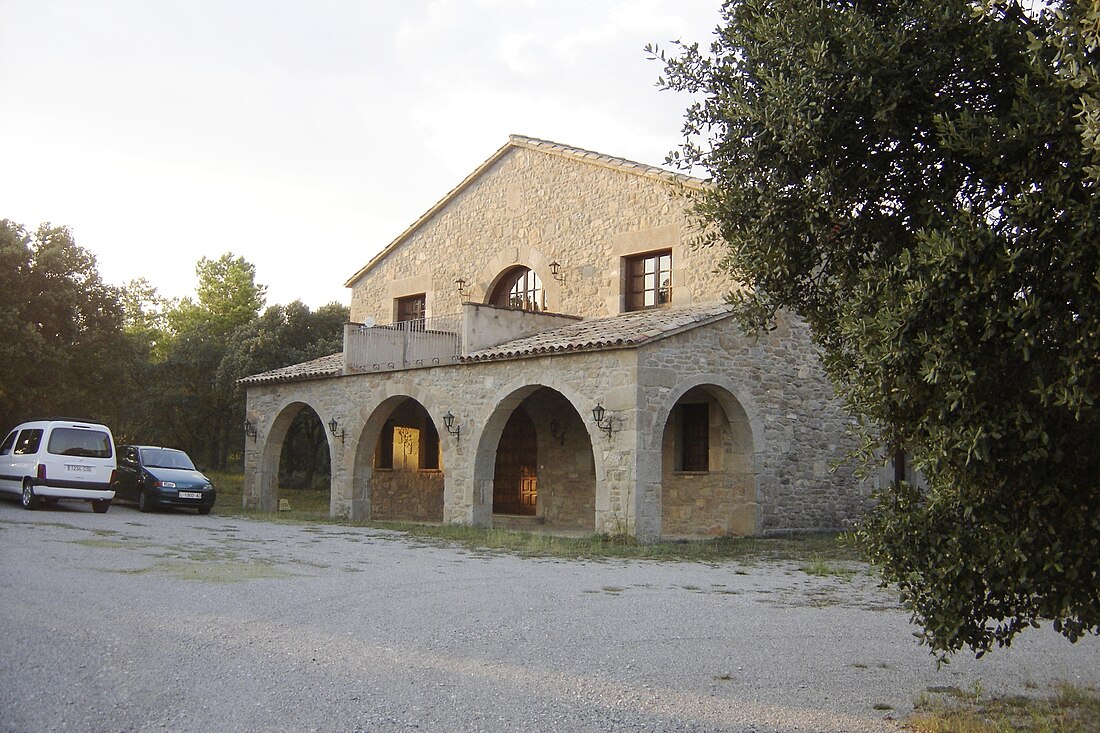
x: 520, y: 288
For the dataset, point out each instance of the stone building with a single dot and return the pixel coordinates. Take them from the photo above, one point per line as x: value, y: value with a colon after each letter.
x: 547, y: 346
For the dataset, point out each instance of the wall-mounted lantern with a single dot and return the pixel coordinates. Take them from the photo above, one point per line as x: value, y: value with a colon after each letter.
x: 332, y: 427
x: 449, y: 424
x: 604, y: 420
x: 557, y: 431
x: 555, y: 272
x: 463, y: 294
x: 249, y: 429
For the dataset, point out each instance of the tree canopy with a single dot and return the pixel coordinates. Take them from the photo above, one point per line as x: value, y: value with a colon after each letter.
x: 60, y: 327
x: 918, y: 180
x: 155, y: 370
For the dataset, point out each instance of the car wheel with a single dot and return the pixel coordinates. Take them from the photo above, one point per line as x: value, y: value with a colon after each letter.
x: 143, y: 502
x: 204, y: 510
x: 29, y: 500
x: 101, y: 506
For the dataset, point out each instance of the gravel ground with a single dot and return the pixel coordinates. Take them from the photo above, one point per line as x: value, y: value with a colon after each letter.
x: 154, y: 622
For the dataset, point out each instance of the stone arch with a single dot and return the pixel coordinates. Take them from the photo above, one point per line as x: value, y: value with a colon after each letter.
x: 265, y: 485
x: 382, y: 489
x: 522, y: 255
x: 571, y: 473
x: 711, y: 490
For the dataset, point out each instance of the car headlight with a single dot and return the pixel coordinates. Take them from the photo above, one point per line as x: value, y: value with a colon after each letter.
x: 165, y: 484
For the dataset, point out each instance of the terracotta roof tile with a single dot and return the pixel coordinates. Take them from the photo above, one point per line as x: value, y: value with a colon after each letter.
x: 628, y: 330
x: 327, y: 366
x: 622, y: 331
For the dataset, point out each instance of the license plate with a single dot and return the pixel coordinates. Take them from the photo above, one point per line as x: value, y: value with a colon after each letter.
x: 78, y: 469
x: 190, y: 495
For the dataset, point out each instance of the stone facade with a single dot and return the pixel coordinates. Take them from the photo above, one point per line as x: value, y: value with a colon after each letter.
x: 707, y: 432
x: 531, y: 204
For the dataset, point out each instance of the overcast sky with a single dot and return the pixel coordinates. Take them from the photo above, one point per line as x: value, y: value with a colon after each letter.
x: 305, y: 136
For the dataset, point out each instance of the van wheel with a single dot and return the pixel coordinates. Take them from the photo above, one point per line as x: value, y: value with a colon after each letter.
x: 101, y: 506
x: 30, y: 501
x: 143, y: 502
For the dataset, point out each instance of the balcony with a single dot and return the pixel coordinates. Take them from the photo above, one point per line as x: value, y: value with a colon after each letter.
x: 439, y: 340
x: 403, y: 345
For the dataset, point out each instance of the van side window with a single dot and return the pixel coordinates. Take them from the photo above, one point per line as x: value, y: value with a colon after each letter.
x: 8, y: 443
x: 28, y: 441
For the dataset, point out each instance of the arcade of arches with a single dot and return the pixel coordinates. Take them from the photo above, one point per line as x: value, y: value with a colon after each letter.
x: 543, y: 464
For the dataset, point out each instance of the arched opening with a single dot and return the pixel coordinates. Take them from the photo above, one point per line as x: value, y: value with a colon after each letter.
x: 515, y: 481
x: 543, y: 467
x: 296, y: 466
x: 406, y: 476
x: 519, y: 288
x: 708, y: 486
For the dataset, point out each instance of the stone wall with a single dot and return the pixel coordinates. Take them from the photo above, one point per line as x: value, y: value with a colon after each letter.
x: 798, y: 430
x: 781, y: 417
x: 407, y: 495
x: 533, y: 207
x: 566, y: 472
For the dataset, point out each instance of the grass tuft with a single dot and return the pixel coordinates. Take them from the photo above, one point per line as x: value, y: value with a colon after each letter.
x: 829, y: 551
x: 1071, y: 709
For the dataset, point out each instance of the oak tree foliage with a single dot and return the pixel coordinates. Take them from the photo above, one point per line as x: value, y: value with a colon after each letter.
x: 917, y: 179
x: 60, y: 329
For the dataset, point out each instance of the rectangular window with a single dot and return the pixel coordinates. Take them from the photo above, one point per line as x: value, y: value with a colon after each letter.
x: 411, y: 310
x: 695, y: 437
x: 649, y: 280
x: 79, y: 442
x: 28, y: 442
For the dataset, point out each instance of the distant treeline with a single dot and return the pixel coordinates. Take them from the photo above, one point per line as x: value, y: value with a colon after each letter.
x: 155, y: 370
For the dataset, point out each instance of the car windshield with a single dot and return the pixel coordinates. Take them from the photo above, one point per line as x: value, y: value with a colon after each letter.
x: 164, y: 458
x: 80, y: 442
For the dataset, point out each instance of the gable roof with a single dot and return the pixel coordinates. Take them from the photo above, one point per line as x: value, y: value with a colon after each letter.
x: 627, y: 330
x: 530, y: 143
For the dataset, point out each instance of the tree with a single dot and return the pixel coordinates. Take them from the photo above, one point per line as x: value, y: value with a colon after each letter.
x: 916, y: 179
x: 200, y: 410
x: 282, y: 336
x: 60, y: 328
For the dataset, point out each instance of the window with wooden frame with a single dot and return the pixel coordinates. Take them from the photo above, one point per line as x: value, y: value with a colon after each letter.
x: 694, y: 448
x: 410, y: 309
x: 649, y: 280
x: 521, y: 289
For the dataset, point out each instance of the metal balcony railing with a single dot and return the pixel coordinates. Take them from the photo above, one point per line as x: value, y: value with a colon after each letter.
x: 403, y: 345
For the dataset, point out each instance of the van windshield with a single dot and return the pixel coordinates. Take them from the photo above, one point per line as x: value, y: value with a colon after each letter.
x: 80, y: 442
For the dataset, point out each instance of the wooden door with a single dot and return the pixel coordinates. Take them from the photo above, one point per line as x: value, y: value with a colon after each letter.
x: 515, y: 482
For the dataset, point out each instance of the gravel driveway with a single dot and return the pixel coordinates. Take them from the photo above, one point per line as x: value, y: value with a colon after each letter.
x: 152, y: 622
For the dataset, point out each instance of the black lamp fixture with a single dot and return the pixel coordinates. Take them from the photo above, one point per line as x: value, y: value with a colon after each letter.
x: 461, y: 283
x: 557, y: 431
x: 604, y: 421
x: 555, y: 272
x: 332, y: 427
x: 249, y: 429
x: 449, y: 424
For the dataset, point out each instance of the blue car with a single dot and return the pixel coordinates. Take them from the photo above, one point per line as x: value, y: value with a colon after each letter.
x: 161, y: 477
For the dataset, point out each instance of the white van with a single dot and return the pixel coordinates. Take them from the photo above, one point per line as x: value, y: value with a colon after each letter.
x: 47, y: 460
